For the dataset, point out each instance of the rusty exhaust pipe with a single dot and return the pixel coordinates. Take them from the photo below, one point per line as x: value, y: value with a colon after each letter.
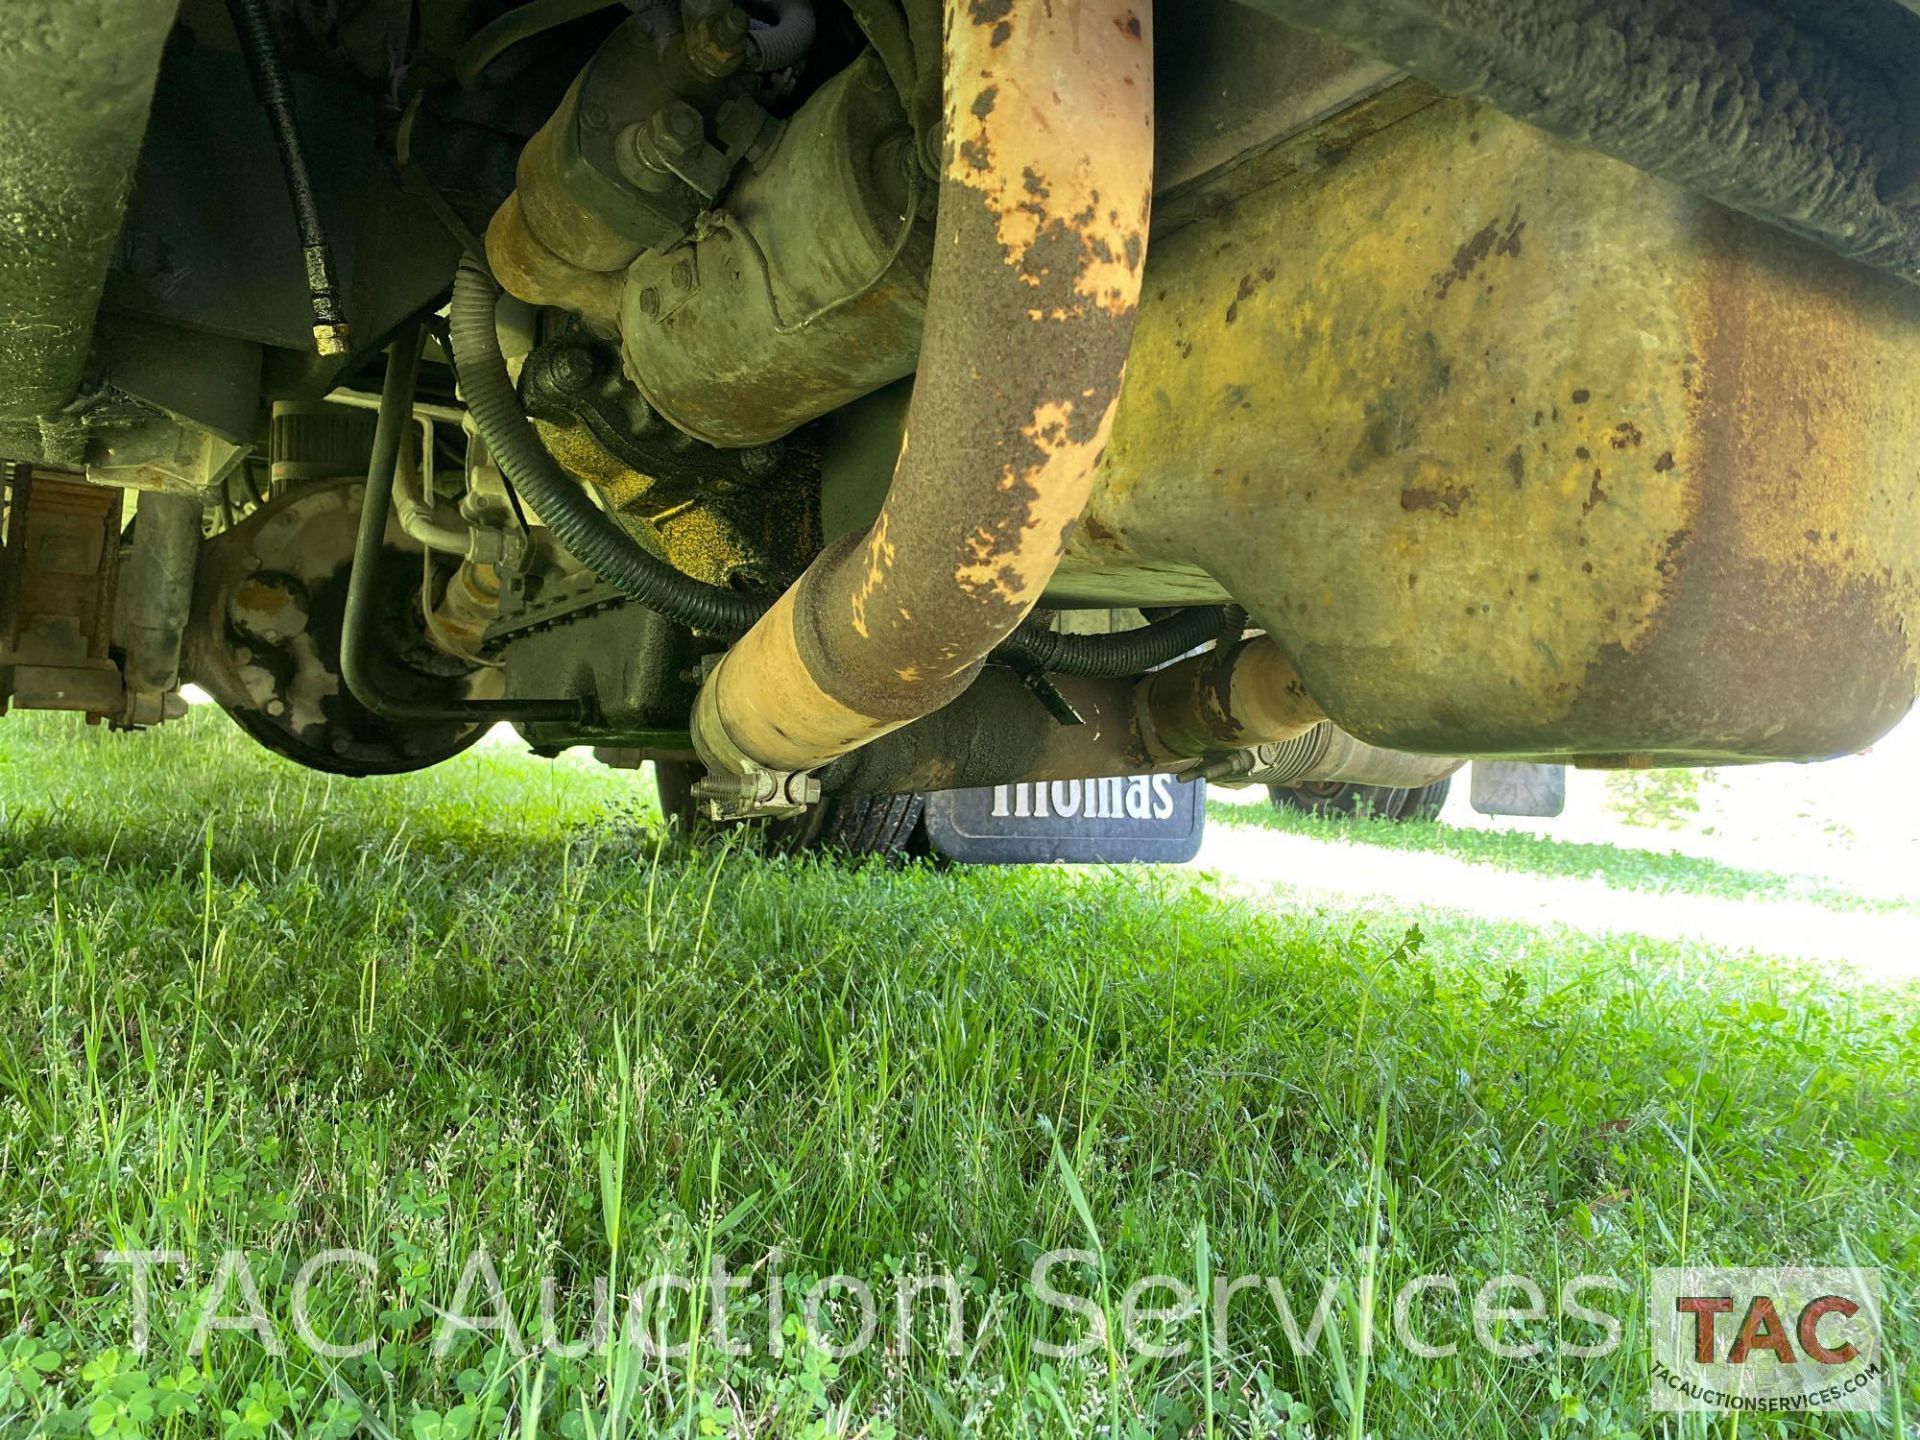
x: 1232, y: 697
x: 1171, y: 722
x: 1041, y: 237
x: 1241, y: 714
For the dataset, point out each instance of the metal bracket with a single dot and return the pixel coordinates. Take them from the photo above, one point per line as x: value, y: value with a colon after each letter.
x: 672, y: 142
x: 1048, y: 694
x: 1228, y: 767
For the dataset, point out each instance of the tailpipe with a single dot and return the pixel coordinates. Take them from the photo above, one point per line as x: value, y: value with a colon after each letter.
x: 1041, y: 236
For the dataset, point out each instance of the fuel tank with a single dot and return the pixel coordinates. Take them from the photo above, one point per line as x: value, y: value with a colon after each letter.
x: 1520, y: 451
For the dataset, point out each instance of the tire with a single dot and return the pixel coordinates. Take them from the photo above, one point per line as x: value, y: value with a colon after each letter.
x: 851, y: 826
x: 1424, y: 805
x: 1331, y: 800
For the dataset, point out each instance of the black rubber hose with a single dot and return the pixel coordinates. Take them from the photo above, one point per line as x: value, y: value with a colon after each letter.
x: 885, y: 27
x: 523, y: 22
x: 357, y: 638
x: 924, y: 20
x: 586, y: 531
x: 261, y: 49
x: 783, y: 42
x: 1115, y: 656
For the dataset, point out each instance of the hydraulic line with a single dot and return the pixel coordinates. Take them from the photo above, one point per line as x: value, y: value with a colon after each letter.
x: 261, y: 49
x: 357, y: 638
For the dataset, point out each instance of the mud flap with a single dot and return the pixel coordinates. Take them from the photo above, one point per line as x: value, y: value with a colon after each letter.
x: 1511, y: 787
x: 1142, y: 819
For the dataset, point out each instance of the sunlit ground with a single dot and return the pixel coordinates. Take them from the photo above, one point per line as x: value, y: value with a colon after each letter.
x: 1841, y: 832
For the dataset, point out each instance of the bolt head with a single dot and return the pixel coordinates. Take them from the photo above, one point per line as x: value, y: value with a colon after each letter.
x: 761, y: 462
x: 571, y: 369
x: 678, y: 130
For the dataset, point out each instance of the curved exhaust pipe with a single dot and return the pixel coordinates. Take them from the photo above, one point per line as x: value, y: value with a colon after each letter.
x: 1041, y: 237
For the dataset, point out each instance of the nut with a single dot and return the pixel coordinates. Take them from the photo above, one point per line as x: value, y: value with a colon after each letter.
x: 571, y: 369
x: 677, y: 129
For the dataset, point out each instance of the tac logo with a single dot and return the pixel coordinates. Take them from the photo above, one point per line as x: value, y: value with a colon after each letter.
x: 1766, y: 1341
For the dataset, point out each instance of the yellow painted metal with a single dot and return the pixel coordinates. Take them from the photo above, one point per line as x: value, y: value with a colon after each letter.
x: 1037, y: 269
x: 1518, y: 450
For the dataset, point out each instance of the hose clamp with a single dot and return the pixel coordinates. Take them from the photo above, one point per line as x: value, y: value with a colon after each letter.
x: 736, y: 786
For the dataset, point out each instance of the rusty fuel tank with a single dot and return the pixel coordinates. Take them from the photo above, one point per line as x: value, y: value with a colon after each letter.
x: 1517, y: 450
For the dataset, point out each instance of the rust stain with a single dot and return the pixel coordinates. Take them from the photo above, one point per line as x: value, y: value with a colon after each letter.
x: 1004, y: 563
x: 1668, y: 563
x: 1050, y: 216
x: 1248, y: 288
x: 1490, y: 241
x: 1447, y: 501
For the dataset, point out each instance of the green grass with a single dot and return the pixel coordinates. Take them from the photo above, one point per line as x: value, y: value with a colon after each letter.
x: 1617, y: 867
x: 249, y: 1007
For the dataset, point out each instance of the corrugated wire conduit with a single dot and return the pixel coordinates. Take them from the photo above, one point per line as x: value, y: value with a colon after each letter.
x: 590, y: 535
